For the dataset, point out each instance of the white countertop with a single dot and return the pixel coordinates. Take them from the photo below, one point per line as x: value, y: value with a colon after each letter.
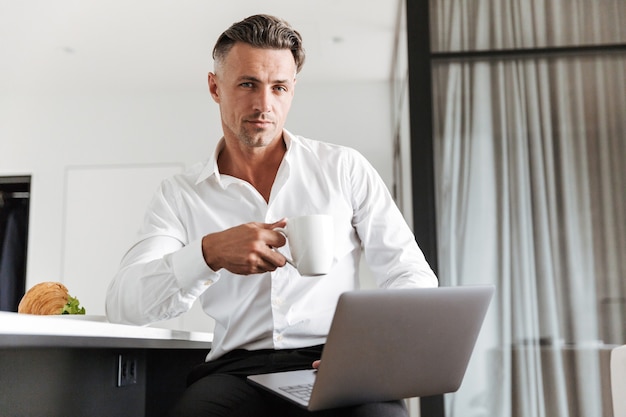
x: 91, y: 331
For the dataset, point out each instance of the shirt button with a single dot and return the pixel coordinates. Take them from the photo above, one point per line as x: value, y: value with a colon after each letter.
x: 278, y: 301
x: 208, y: 282
x: 279, y: 338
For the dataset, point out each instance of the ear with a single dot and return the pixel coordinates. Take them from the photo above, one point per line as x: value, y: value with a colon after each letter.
x: 213, y: 87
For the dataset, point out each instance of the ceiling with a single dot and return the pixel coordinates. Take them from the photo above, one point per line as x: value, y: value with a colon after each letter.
x: 83, y: 46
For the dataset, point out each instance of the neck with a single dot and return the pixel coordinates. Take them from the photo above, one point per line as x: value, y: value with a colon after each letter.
x: 257, y: 166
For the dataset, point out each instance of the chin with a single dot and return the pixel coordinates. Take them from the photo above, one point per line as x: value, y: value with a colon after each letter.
x: 259, y: 141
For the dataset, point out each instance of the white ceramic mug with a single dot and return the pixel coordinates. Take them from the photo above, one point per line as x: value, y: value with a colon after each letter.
x: 311, y: 242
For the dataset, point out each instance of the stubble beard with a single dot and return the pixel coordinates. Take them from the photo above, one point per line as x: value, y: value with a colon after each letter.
x: 256, y: 138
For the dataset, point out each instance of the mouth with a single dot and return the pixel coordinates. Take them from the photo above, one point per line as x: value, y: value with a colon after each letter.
x: 260, y: 123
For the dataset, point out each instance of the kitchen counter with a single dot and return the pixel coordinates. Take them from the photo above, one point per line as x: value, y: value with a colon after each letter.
x: 25, y: 330
x: 75, y: 365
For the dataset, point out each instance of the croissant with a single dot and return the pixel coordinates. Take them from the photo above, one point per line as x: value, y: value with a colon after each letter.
x: 49, y: 298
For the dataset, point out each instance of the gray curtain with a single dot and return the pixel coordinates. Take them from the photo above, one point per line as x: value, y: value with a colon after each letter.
x: 531, y: 171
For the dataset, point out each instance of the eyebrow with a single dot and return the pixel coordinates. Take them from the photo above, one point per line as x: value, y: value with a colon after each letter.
x: 255, y: 79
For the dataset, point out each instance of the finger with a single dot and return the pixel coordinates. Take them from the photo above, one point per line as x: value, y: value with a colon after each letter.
x: 270, y: 226
x: 275, y: 258
x: 274, y: 238
x: 316, y: 364
x: 269, y: 263
x: 280, y: 223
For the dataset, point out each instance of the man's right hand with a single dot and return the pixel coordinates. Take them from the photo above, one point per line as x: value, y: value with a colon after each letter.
x: 245, y: 249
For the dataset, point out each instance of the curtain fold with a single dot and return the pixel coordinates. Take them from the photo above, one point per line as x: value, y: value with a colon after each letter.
x: 470, y: 25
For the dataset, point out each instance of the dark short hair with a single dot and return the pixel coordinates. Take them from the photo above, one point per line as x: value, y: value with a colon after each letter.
x: 261, y: 31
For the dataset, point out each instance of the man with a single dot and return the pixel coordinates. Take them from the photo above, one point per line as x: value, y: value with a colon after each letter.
x: 209, y: 234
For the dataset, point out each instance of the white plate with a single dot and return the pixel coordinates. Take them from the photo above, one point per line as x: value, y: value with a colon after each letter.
x: 87, y: 317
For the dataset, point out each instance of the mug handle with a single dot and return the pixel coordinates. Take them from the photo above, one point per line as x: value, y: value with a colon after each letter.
x: 283, y: 232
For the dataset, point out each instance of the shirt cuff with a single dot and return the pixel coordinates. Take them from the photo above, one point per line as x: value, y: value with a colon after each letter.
x: 191, y: 271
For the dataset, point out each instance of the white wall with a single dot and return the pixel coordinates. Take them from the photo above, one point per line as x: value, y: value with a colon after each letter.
x: 50, y: 137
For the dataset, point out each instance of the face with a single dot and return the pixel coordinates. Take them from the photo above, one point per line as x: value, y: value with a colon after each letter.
x: 254, y: 88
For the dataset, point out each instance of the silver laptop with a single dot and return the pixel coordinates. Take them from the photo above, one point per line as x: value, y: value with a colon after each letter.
x: 389, y: 345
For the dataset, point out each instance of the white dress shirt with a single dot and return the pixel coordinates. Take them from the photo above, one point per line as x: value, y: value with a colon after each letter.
x: 164, y: 272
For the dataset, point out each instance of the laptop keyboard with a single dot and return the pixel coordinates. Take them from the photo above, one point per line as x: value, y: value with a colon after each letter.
x: 301, y: 391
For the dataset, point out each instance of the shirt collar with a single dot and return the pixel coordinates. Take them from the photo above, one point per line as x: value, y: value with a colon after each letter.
x: 211, y: 169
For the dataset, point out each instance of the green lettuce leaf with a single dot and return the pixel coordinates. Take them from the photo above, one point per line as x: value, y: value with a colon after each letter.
x: 73, y: 307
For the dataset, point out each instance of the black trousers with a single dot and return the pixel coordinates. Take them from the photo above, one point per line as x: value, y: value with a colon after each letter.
x: 219, y: 388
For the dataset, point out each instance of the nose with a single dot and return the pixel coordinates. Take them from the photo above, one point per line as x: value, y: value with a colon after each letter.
x: 263, y: 101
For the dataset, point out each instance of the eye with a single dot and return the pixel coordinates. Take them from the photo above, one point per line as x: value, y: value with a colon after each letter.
x: 281, y: 88
x: 246, y: 85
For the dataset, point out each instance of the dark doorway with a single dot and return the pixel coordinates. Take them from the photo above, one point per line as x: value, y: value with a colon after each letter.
x: 14, y: 207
